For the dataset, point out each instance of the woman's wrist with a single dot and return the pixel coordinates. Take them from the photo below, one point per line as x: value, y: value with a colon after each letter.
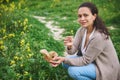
x: 63, y: 59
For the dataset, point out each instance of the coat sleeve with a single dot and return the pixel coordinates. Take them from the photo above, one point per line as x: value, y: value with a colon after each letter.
x: 76, y: 42
x: 94, y: 49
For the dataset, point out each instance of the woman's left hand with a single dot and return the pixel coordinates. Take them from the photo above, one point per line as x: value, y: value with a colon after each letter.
x: 56, y: 61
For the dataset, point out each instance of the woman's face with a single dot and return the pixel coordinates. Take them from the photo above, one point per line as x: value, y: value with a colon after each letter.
x: 85, y: 17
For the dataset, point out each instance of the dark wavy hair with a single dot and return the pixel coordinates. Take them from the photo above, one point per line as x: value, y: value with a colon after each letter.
x: 98, y: 23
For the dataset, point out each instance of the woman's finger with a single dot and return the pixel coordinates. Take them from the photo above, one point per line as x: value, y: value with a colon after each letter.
x: 54, y: 65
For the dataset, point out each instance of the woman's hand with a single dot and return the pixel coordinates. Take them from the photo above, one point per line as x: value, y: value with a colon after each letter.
x: 56, y: 61
x: 68, y: 41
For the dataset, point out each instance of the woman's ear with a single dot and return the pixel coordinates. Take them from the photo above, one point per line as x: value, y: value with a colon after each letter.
x: 95, y: 15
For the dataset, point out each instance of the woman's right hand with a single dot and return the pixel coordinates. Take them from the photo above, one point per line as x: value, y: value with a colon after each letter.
x: 68, y: 42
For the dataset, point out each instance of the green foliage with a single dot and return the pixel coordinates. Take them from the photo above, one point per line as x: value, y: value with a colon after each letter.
x: 20, y: 43
x: 14, y: 45
x: 22, y: 36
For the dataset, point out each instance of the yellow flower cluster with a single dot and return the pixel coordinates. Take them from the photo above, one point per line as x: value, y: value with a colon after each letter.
x: 3, y: 30
x: 21, y: 65
x: 1, y: 42
x: 22, y: 42
x: 12, y: 7
x: 7, y: 1
x: 29, y: 55
x: 25, y: 21
x: 72, y: 32
x: 11, y: 35
x: 12, y: 62
x: 16, y: 58
x: 22, y: 33
x: 28, y: 49
x: 20, y: 3
x: 25, y: 24
x: 23, y: 53
x: 30, y: 78
x: 2, y: 47
x: 25, y: 73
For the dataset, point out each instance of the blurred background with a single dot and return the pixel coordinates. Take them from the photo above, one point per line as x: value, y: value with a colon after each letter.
x: 25, y: 29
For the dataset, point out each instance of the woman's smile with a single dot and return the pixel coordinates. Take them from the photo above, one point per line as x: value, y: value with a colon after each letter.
x: 83, y: 23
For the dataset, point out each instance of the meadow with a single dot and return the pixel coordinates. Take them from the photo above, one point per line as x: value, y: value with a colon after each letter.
x: 22, y: 36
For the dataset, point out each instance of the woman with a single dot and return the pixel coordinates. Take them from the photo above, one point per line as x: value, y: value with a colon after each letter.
x: 96, y: 58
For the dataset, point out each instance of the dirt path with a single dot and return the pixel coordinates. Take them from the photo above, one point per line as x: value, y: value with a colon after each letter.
x: 56, y: 30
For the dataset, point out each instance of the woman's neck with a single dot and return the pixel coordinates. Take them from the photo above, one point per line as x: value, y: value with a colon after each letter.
x: 89, y: 30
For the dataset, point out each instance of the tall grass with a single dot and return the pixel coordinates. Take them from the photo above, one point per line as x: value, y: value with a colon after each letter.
x: 22, y: 36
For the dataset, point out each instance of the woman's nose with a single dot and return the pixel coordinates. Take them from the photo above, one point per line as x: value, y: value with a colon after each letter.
x: 82, y: 18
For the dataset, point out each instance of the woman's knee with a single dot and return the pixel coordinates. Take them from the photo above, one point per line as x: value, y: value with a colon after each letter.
x: 73, y: 72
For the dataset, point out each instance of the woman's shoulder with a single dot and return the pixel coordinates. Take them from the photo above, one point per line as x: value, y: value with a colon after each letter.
x: 99, y: 35
x: 80, y: 31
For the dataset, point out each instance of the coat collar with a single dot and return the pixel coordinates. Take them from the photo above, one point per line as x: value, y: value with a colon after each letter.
x: 92, y: 37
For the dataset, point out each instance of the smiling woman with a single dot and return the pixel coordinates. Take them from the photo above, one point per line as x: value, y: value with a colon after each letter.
x: 85, y: 17
x: 96, y: 57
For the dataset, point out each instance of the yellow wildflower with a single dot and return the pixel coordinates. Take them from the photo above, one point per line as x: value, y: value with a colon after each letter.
x: 3, y: 30
x: 19, y: 21
x: 11, y: 35
x: 16, y: 57
x: 7, y: 1
x: 25, y: 21
x: 2, y: 47
x: 21, y: 65
x: 71, y: 31
x: 22, y: 33
x: 12, y: 6
x: 1, y: 42
x: 22, y: 42
x: 25, y: 27
x: 28, y: 49
x: 5, y: 37
x: 20, y: 58
x: 12, y: 62
x: 29, y: 55
x: 28, y: 44
x: 25, y: 73
x: 18, y: 74
x: 30, y: 78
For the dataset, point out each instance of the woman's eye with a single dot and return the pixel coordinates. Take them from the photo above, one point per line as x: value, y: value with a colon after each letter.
x: 85, y: 15
x: 79, y: 16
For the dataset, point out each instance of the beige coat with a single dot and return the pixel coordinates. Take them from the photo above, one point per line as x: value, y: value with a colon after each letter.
x: 100, y: 51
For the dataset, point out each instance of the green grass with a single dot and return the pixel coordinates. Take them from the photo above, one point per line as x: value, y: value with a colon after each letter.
x: 37, y: 36
x: 68, y: 8
x: 39, y: 39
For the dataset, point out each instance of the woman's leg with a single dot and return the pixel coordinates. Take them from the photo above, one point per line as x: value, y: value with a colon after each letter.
x: 86, y: 72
